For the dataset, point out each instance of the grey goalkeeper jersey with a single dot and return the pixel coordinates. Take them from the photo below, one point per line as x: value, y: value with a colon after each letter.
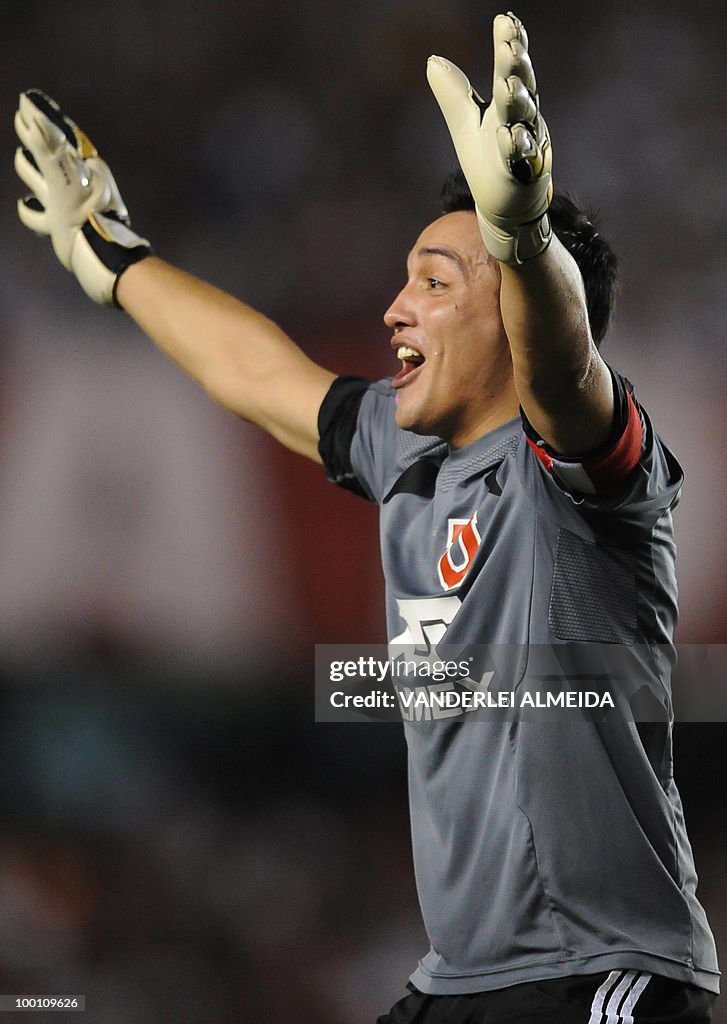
x: 541, y: 849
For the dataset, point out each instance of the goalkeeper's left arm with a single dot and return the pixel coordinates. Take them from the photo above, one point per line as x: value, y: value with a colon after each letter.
x: 563, y: 384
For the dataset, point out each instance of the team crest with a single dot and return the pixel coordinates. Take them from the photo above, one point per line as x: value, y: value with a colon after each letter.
x: 463, y: 539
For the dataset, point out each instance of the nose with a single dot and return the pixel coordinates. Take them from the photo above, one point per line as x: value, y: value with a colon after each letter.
x: 401, y: 312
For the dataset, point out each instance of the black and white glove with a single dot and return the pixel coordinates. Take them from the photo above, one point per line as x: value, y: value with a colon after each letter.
x: 505, y: 154
x: 75, y: 199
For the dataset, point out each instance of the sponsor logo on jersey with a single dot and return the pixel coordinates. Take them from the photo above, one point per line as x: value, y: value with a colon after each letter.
x: 463, y: 539
x: 426, y: 621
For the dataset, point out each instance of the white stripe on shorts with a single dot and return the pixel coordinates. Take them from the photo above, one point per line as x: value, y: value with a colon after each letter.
x: 622, y: 988
x: 638, y: 987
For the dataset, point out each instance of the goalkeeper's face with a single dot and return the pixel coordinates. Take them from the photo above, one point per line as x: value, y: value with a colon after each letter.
x: 456, y: 370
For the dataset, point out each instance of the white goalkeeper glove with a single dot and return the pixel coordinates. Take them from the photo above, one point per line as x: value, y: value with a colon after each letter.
x: 75, y: 199
x: 505, y: 155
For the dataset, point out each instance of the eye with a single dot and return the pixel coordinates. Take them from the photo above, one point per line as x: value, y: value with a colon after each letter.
x: 434, y: 283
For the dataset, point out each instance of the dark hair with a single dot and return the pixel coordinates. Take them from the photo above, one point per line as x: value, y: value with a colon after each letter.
x: 595, y: 258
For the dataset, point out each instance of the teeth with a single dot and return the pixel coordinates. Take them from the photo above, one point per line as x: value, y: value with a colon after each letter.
x: 405, y: 352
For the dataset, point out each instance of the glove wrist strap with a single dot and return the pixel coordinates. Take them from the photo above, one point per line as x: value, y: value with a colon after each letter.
x: 516, y: 246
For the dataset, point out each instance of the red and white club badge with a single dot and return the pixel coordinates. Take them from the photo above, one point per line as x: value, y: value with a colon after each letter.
x: 463, y: 539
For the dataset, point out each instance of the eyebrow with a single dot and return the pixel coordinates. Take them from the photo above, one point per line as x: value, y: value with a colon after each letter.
x: 450, y: 254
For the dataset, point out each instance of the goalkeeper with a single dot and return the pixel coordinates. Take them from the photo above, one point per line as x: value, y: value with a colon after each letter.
x: 525, y: 499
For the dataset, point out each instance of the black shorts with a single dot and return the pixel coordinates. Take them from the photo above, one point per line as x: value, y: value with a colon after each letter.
x: 615, y: 997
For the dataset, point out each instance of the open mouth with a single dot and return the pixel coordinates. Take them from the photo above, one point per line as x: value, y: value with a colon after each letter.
x: 411, y: 361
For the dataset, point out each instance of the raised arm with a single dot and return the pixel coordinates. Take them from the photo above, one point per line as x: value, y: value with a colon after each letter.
x: 241, y: 358
x: 562, y: 383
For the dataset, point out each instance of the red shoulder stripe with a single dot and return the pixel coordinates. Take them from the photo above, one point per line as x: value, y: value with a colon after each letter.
x: 609, y: 470
x: 541, y: 453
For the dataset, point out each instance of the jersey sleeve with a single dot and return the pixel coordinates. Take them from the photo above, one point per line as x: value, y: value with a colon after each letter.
x: 633, y: 477
x: 358, y: 435
x: 603, y: 471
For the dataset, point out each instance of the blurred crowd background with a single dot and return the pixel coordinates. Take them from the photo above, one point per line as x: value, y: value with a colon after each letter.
x: 178, y: 839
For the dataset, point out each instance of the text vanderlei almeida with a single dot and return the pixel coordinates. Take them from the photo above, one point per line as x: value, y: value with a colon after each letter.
x: 443, y: 688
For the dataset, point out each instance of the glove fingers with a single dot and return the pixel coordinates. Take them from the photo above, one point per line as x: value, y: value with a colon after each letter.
x: 27, y: 130
x: 511, y: 51
x: 37, y: 105
x: 27, y: 170
x: 53, y: 113
x: 513, y: 102
x: 33, y: 215
x: 522, y: 137
x: 454, y: 94
x: 36, y: 131
x: 44, y: 129
x: 506, y: 31
x: 507, y: 27
x: 513, y: 59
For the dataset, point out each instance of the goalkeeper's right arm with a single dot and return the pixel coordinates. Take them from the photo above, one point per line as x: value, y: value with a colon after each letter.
x: 241, y: 358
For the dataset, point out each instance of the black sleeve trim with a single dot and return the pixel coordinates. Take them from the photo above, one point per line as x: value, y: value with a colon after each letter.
x: 337, y: 421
